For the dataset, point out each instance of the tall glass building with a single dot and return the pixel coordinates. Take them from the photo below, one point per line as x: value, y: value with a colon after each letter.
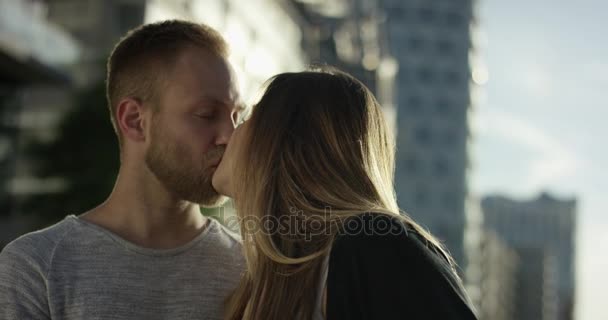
x: 431, y: 41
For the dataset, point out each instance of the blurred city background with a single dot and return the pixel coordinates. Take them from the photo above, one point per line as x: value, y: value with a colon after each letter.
x: 498, y: 109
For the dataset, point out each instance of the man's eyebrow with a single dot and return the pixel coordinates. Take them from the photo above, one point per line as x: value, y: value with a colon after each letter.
x: 208, y: 102
x: 212, y: 100
x: 238, y: 104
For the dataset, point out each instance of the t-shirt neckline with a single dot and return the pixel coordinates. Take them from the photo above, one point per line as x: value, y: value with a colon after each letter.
x: 143, y: 250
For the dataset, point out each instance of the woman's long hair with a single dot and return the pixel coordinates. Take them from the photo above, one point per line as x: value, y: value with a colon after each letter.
x: 317, y: 151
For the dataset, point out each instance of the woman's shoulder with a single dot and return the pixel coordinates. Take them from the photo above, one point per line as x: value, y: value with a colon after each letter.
x: 378, y: 239
x: 373, y: 229
x: 383, y: 261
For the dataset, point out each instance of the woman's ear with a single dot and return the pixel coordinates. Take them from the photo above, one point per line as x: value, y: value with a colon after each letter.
x: 130, y: 119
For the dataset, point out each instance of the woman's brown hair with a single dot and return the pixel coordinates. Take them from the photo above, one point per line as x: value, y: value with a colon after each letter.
x: 317, y: 149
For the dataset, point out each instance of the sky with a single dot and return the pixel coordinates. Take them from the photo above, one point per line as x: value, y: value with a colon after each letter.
x: 541, y: 119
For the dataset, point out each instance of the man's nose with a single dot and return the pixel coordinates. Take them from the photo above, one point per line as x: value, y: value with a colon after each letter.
x: 224, y: 133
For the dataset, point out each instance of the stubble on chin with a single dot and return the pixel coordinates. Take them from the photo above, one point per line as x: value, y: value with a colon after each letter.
x: 187, y: 181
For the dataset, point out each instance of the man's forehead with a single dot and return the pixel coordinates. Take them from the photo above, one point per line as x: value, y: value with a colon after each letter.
x: 232, y: 101
x: 220, y: 86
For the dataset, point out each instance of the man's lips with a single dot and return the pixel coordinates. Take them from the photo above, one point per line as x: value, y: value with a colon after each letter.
x: 215, y: 165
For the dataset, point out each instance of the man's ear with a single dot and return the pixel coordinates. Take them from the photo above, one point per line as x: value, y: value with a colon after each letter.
x: 130, y: 119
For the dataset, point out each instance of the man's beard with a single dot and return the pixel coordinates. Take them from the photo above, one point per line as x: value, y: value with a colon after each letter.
x: 173, y: 166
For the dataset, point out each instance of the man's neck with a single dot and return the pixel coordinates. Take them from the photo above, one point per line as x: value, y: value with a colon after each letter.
x: 148, y: 216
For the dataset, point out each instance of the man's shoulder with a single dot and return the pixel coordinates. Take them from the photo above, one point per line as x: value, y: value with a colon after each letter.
x: 37, y: 247
x: 25, y: 265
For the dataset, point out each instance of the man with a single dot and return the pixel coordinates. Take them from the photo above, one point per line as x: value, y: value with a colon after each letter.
x: 146, y: 252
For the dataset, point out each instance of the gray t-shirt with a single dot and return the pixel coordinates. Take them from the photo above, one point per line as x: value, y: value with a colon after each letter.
x: 78, y: 270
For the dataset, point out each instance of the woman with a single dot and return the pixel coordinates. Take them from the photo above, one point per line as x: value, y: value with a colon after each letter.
x: 311, y: 174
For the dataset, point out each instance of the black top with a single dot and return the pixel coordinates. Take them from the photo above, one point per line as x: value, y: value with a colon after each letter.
x: 381, y: 269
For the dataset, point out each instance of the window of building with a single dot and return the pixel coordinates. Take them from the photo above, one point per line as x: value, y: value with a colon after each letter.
x: 5, y: 147
x: 454, y: 19
x: 411, y: 164
x: 421, y: 197
x: 425, y: 75
x: 414, y: 104
x: 452, y: 77
x: 445, y: 47
x: 403, y: 75
x: 415, y: 43
x: 397, y: 13
x: 449, y: 137
x: 442, y: 106
x: 441, y: 167
x: 426, y: 15
x: 422, y: 135
x: 450, y: 201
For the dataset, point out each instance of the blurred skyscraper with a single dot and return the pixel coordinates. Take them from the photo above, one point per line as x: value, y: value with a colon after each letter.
x: 414, y: 55
x: 542, y: 233
x: 417, y: 57
x: 351, y: 35
x: 95, y: 26
x: 431, y: 41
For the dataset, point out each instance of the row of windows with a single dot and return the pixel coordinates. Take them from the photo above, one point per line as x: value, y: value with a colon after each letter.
x: 5, y: 147
x: 527, y: 233
x: 430, y: 76
x: 424, y: 136
x: 427, y: 15
x: 440, y: 167
x: 420, y: 44
x: 546, y: 226
x: 416, y: 105
x: 422, y: 199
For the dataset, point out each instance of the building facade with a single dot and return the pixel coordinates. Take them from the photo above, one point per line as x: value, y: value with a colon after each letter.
x: 497, y: 284
x: 34, y: 52
x: 431, y: 41
x: 351, y: 35
x: 542, y: 231
x: 414, y: 55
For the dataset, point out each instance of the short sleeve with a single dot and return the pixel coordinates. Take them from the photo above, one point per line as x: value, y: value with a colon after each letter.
x: 22, y: 284
x: 391, y: 275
